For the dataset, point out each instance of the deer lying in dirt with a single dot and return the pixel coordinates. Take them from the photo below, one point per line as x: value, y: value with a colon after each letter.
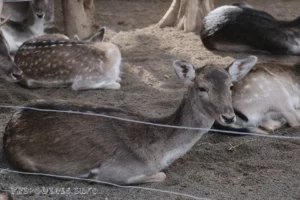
x: 55, y: 61
x: 239, y: 27
x: 117, y: 151
x: 267, y: 98
x: 8, y: 69
x: 22, y: 28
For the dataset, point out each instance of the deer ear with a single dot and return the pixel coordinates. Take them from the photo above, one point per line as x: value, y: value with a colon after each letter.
x: 241, y: 67
x: 185, y: 71
x: 99, y: 36
x: 242, y: 5
x: 5, y: 20
x: 76, y: 37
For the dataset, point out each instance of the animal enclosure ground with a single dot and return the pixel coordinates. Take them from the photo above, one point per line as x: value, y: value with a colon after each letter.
x: 219, y: 166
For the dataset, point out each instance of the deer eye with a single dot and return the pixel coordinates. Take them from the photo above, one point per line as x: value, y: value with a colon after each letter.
x: 202, y: 89
x: 231, y: 87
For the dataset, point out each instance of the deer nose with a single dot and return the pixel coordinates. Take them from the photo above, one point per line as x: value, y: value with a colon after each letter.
x: 17, y: 76
x: 228, y: 118
x: 40, y: 15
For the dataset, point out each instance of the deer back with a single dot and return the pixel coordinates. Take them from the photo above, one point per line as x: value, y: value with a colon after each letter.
x: 242, y: 28
x: 63, y: 59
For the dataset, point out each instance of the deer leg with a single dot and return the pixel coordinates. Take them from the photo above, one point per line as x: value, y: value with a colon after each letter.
x: 272, y: 125
x: 84, y: 84
x: 119, y: 79
x: 126, y: 173
x: 91, y: 174
x: 31, y: 84
x: 292, y: 117
x: 159, y: 177
x: 292, y: 121
x: 257, y: 130
x: 112, y: 86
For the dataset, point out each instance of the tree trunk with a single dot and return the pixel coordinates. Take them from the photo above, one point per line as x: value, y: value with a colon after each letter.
x: 49, y: 19
x: 78, y: 17
x: 49, y: 15
x: 186, y: 15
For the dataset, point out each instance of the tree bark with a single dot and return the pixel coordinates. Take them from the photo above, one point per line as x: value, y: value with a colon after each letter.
x: 186, y: 15
x: 78, y: 17
x: 49, y: 15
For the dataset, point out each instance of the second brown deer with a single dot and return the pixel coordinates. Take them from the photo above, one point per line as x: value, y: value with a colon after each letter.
x: 268, y: 98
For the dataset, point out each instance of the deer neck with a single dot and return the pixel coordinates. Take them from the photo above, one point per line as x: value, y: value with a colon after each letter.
x: 190, y: 113
x: 176, y: 142
x: 35, y: 24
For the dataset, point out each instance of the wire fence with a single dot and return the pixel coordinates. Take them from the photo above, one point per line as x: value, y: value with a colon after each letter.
x: 152, y: 124
x: 105, y: 183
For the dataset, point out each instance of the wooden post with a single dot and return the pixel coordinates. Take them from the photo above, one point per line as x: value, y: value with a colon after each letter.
x: 186, y: 15
x: 1, y: 5
x: 78, y: 17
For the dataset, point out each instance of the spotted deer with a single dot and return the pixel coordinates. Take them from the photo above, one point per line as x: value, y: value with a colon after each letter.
x: 240, y: 28
x: 27, y: 21
x: 268, y: 98
x: 117, y: 151
x: 60, y: 62
x: 8, y: 69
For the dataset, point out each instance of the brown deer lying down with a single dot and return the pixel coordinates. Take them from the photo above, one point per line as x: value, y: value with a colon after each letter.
x: 268, y: 98
x: 117, y: 151
x: 56, y: 61
x: 239, y: 27
x: 8, y: 69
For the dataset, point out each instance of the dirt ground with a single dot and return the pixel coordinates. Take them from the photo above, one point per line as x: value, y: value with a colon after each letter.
x: 219, y: 166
